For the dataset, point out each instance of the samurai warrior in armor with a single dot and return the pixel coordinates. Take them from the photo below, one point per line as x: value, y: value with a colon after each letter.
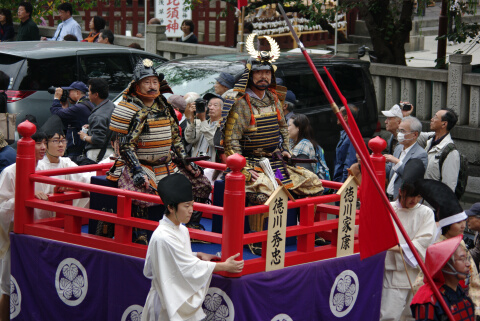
x: 149, y: 137
x: 255, y: 127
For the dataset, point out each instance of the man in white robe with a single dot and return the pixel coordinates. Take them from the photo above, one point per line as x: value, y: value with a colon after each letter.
x: 7, y: 206
x: 180, y: 278
x: 419, y: 223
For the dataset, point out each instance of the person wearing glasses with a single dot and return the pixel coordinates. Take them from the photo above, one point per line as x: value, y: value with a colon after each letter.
x: 449, y: 265
x: 56, y: 146
x: 407, y: 135
x: 451, y: 223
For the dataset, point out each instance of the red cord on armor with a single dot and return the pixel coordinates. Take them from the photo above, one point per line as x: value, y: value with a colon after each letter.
x: 252, y: 118
x: 275, y: 96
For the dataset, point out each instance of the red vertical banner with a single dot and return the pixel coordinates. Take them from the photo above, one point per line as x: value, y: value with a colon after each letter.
x: 241, y: 3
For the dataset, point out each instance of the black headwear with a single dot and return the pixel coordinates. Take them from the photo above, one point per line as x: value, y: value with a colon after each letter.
x: 443, y: 199
x: 413, y: 171
x: 53, y: 125
x: 174, y: 189
x: 144, y: 68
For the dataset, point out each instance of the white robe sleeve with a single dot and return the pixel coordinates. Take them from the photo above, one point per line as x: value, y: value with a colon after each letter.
x: 7, y: 206
x: 179, y: 278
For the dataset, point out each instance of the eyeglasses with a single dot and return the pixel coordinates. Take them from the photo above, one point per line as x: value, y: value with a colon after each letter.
x: 463, y: 259
x: 402, y: 131
x: 58, y: 141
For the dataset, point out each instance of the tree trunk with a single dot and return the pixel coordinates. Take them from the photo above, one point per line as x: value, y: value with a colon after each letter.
x: 388, y: 38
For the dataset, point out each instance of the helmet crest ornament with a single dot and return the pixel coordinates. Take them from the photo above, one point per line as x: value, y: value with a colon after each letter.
x: 263, y: 56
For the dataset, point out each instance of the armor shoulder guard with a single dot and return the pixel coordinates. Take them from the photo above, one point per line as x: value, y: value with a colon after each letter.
x: 230, y: 99
x: 122, y: 115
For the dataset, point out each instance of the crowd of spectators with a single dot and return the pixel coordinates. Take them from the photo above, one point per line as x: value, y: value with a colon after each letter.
x: 69, y: 29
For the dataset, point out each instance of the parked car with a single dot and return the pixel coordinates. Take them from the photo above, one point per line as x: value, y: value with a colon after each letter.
x: 198, y: 74
x: 33, y: 66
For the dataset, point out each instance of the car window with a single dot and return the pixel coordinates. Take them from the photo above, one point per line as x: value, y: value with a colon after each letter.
x: 350, y: 82
x: 115, y: 69
x: 43, y: 73
x: 305, y: 87
x: 186, y: 79
x: 11, y: 65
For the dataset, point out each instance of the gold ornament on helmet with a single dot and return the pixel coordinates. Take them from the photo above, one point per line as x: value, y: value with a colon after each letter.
x: 263, y: 56
x: 147, y: 63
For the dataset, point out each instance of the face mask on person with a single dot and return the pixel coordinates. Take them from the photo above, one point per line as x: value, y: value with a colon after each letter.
x: 401, y: 138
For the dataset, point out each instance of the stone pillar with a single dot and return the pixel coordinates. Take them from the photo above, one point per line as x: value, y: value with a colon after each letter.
x: 457, y: 94
x: 424, y: 100
x: 474, y: 119
x: 379, y: 84
x: 154, y: 34
x: 349, y: 50
x: 407, y: 90
x: 392, y: 92
x: 439, y: 96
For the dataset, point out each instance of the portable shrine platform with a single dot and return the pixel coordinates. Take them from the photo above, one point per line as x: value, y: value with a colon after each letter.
x: 53, y: 280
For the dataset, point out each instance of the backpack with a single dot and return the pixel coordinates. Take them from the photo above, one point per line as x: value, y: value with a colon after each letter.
x: 462, y: 178
x: 321, y: 169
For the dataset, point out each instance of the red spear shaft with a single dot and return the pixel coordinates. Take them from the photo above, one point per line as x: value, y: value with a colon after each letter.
x: 365, y: 160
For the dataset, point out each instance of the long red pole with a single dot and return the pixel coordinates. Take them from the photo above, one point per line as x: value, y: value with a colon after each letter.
x: 367, y: 164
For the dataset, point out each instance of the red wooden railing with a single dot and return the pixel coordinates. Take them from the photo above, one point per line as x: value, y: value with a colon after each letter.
x: 66, y: 226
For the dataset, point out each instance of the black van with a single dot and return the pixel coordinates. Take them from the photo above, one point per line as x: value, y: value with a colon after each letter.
x: 198, y: 74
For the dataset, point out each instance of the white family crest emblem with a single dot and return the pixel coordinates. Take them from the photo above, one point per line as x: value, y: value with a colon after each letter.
x: 15, y: 298
x: 133, y: 313
x: 344, y: 293
x: 71, y: 282
x: 218, y: 306
x: 282, y: 317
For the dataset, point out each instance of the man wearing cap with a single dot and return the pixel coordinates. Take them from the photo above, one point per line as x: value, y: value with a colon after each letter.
x: 473, y: 222
x: 394, y: 117
x: 289, y: 105
x: 73, y: 116
x: 255, y: 127
x: 180, y: 277
x: 224, y: 82
x: 179, y: 104
x: 408, y: 132
x: 448, y: 265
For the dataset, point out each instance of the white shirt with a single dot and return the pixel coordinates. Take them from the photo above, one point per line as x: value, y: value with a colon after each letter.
x: 68, y: 27
x: 65, y: 162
